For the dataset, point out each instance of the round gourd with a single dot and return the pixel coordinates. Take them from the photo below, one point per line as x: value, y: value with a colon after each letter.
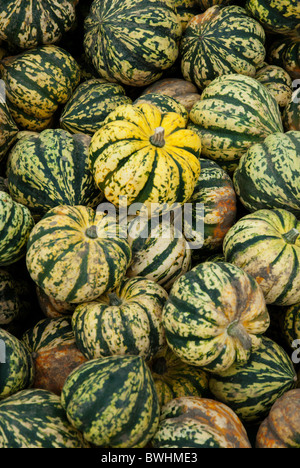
x: 291, y: 113
x: 16, y: 224
x: 37, y: 82
x: 278, y: 82
x: 266, y: 244
x: 159, y: 250
x: 285, y: 53
x: 76, y: 254
x: 9, y: 299
x: 268, y: 174
x: 221, y: 41
x: 214, y: 316
x: 234, y: 112
x: 34, y: 418
x: 51, y: 168
x: 90, y: 104
x: 276, y: 16
x: 9, y: 129
x: 164, y: 103
x: 281, y: 428
x: 29, y: 24
x: 174, y: 378
x: 16, y: 365
x: 190, y: 422
x: 250, y: 389
x: 134, y: 41
x: 144, y: 157
x: 113, y: 402
x: 124, y: 321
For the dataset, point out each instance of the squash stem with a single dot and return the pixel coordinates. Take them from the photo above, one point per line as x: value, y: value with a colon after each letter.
x: 291, y: 236
x: 91, y: 232
x: 158, y: 139
x: 114, y: 299
x: 237, y: 330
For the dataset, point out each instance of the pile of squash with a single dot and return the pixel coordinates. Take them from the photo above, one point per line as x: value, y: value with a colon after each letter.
x: 150, y: 224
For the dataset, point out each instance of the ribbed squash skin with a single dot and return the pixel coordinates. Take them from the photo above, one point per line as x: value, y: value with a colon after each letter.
x: 214, y: 316
x: 174, y: 378
x: 76, y: 254
x: 159, y: 250
x: 17, y: 372
x: 257, y: 244
x: 48, y: 333
x: 90, y: 104
x: 112, y: 402
x: 285, y: 53
x: 51, y: 168
x: 278, y: 82
x: 281, y: 428
x: 164, y: 103
x: 268, y: 174
x: 125, y: 163
x: 186, y: 9
x: 9, y: 298
x: 9, y: 129
x: 234, y: 112
x: 16, y: 224
x: 30, y: 24
x: 291, y: 113
x: 276, y: 16
x: 122, y: 322
x: 132, y: 41
x: 214, y: 192
x: 221, y: 41
x: 252, y: 388
x: 34, y: 418
x: 190, y: 422
x: 37, y: 82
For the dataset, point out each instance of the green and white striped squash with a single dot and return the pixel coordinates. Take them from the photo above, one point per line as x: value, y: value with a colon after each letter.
x: 291, y: 113
x: 8, y: 129
x: 291, y: 324
x: 51, y: 168
x: 251, y: 389
x: 29, y: 24
x: 75, y: 254
x: 234, y: 112
x: 266, y: 245
x: 278, y: 82
x: 132, y: 42
x: 276, y: 16
x: 38, y: 81
x: 285, y: 53
x: 174, y: 378
x: 34, y: 418
x: 90, y: 104
x: 48, y: 333
x: 112, y: 401
x: 9, y: 299
x: 214, y: 316
x: 221, y: 41
x: 125, y: 321
x: 191, y: 422
x: 17, y: 370
x: 268, y: 175
x: 16, y: 224
x: 164, y: 103
x: 213, y: 210
x: 160, y: 252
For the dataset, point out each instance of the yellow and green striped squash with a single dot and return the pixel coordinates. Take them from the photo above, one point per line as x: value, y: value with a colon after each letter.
x: 142, y: 156
x: 164, y: 103
x: 75, y: 254
x: 48, y: 333
x: 268, y: 175
x: 90, y: 104
x: 291, y: 324
x: 17, y: 369
x: 186, y: 10
x: 285, y: 53
x: 34, y: 418
x: 250, y: 389
x: 159, y: 250
x: 278, y: 82
x: 215, y: 316
x: 113, y: 402
x: 221, y: 41
x: 38, y: 81
x: 8, y: 128
x: 9, y: 298
x: 266, y: 245
x: 125, y: 321
x: 16, y: 224
x: 174, y: 378
x: 234, y: 112
x: 51, y: 168
x: 276, y: 16
x: 291, y: 113
x: 193, y: 422
x: 132, y: 41
x: 29, y: 24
